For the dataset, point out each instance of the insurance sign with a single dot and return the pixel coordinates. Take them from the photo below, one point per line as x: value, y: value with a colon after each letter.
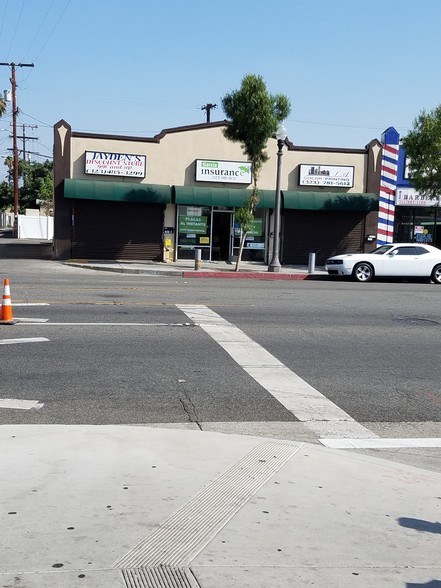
x: 233, y: 172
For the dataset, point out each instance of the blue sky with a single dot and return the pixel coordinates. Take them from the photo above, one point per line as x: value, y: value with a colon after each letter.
x: 350, y: 68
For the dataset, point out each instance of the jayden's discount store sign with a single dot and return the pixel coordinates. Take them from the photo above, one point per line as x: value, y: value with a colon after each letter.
x: 115, y: 164
x: 235, y: 172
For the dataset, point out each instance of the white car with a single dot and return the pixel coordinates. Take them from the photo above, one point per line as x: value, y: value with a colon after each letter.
x: 394, y: 260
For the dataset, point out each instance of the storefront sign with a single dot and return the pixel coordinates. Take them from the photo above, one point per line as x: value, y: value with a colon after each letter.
x: 256, y: 229
x: 326, y: 175
x: 233, y: 172
x: 255, y: 245
x: 410, y: 197
x: 114, y: 164
x: 194, y: 225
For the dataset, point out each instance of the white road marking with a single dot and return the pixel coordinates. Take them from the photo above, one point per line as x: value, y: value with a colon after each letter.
x: 30, y: 304
x: 47, y: 324
x: 24, y: 340
x: 306, y: 403
x: 31, y: 320
x: 19, y: 403
x: 380, y: 443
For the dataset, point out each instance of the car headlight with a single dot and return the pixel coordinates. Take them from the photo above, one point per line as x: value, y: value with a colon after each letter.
x: 334, y: 261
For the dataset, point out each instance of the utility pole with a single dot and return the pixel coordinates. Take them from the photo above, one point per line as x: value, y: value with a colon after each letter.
x: 208, y: 108
x: 13, y: 65
x: 24, y: 137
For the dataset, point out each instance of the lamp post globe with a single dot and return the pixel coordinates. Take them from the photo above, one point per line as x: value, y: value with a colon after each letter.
x: 275, y: 265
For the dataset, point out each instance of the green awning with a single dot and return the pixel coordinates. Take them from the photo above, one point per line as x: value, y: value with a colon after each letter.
x: 330, y: 201
x: 117, y: 191
x: 196, y: 196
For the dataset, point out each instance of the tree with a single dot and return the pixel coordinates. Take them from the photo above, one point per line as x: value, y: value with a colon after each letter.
x: 423, y: 148
x: 37, y: 184
x: 3, y: 106
x: 254, y: 115
x: 6, y: 196
x: 244, y: 216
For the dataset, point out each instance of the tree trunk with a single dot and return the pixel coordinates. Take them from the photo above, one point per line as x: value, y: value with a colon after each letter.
x: 239, y: 255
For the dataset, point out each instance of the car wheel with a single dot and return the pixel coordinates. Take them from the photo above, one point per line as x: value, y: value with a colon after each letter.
x: 436, y: 274
x: 363, y: 272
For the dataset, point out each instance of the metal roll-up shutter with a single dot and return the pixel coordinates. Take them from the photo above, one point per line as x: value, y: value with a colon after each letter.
x: 324, y: 233
x: 117, y: 230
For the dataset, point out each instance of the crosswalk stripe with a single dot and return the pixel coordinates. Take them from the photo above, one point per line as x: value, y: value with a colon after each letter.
x: 24, y: 340
x: 306, y: 403
x: 19, y: 403
x: 381, y: 443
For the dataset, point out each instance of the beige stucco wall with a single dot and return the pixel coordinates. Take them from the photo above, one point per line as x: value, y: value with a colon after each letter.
x: 171, y: 161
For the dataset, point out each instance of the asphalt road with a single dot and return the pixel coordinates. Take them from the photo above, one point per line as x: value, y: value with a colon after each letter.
x: 120, y: 350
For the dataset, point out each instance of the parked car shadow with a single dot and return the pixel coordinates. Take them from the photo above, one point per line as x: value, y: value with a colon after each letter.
x: 420, y: 525
x: 430, y: 584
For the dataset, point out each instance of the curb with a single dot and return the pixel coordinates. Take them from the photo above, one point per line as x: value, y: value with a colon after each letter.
x: 244, y: 275
x: 122, y: 270
x: 188, y: 274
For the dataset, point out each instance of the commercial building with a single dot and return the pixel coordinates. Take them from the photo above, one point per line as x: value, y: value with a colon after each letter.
x: 417, y: 217
x: 159, y: 198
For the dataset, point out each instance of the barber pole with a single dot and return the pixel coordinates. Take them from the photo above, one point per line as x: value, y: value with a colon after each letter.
x: 388, y: 183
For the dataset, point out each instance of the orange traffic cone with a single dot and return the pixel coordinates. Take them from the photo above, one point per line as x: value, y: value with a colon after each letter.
x: 6, y: 315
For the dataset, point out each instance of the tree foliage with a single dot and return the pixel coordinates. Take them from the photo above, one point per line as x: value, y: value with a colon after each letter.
x: 254, y: 116
x: 3, y: 106
x: 36, y: 184
x: 423, y: 148
x: 6, y: 196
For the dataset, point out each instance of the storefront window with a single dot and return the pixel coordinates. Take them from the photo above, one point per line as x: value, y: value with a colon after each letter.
x: 418, y: 225
x: 254, y: 249
x: 194, y: 230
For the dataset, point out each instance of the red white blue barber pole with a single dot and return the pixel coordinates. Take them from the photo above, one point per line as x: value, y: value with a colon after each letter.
x: 388, y: 183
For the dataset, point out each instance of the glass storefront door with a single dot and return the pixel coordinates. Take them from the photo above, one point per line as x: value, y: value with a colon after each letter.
x: 208, y: 228
x: 222, y: 234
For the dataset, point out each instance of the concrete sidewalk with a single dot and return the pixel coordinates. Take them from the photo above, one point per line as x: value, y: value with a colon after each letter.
x: 136, y: 506
x: 209, y: 269
x: 11, y: 248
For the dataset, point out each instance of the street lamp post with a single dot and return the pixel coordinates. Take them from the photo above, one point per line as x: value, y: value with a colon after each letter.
x: 274, y: 265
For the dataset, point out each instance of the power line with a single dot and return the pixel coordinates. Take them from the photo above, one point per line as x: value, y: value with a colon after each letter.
x: 38, y: 120
x: 39, y: 28
x: 3, y: 19
x: 16, y: 26
x: 53, y: 29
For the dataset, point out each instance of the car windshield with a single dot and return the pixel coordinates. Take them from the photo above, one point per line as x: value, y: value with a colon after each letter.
x: 382, y: 250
